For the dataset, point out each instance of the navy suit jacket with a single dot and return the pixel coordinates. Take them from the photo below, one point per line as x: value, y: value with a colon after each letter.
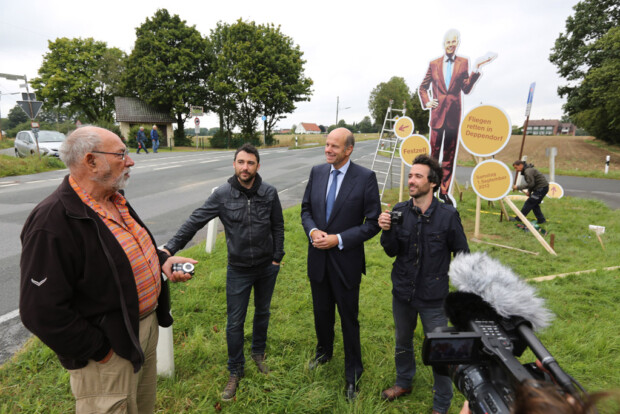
x: 354, y: 216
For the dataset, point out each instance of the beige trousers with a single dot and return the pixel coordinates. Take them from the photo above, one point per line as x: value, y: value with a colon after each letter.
x: 113, y: 387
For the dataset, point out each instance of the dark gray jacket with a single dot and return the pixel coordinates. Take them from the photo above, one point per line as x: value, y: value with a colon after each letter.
x: 254, y: 226
x: 534, y: 179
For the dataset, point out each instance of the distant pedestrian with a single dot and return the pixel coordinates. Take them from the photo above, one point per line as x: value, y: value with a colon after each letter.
x: 155, y: 138
x: 537, y: 188
x: 141, y: 138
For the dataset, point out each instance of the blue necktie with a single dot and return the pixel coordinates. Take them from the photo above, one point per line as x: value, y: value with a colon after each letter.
x: 331, y: 195
x: 449, y: 73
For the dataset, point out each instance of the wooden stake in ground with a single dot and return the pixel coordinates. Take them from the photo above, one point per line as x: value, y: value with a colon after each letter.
x: 529, y: 226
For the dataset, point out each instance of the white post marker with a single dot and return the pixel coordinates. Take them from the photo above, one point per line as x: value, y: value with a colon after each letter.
x: 607, y: 159
x: 165, y: 353
x: 551, y: 153
x: 211, y: 232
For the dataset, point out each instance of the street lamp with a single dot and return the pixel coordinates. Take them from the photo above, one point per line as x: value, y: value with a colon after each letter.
x: 337, y: 107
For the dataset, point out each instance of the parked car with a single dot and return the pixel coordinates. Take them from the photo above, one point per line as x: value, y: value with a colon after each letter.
x: 49, y: 143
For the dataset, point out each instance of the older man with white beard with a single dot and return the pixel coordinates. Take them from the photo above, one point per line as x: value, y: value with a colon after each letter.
x: 91, y: 279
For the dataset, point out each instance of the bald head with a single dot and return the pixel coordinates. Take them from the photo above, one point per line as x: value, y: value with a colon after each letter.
x: 338, y: 147
x: 343, y: 133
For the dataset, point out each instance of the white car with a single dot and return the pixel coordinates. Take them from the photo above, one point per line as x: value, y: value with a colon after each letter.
x: 49, y: 143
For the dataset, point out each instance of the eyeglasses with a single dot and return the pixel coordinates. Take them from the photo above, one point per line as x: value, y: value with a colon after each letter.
x: 123, y: 154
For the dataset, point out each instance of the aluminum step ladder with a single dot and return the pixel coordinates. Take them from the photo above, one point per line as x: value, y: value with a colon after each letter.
x: 387, y: 148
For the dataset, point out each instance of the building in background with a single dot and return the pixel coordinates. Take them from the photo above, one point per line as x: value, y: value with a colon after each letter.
x: 307, y: 128
x: 550, y: 127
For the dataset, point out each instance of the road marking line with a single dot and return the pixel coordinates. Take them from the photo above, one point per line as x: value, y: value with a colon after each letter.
x: 165, y: 168
x: 9, y: 316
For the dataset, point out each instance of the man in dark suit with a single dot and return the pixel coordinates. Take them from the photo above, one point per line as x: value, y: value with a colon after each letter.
x: 448, y: 76
x: 339, y: 212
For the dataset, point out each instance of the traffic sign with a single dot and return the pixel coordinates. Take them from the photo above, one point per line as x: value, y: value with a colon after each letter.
x: 196, y: 111
x: 197, y: 121
x: 31, y: 108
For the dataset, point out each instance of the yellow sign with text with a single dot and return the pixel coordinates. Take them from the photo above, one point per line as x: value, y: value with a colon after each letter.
x: 403, y: 128
x: 491, y: 180
x: 412, y: 147
x: 485, y: 130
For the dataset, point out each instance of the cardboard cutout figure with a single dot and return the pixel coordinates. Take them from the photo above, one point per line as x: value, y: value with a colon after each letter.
x: 440, y: 92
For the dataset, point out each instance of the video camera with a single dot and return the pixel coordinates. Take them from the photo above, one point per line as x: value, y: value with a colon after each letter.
x: 482, y: 361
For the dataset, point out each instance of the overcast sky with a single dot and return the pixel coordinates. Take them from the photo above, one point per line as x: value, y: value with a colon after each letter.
x: 350, y: 46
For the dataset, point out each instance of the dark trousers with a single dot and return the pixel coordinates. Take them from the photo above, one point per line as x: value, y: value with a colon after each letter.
x: 533, y: 204
x: 405, y: 322
x: 326, y: 296
x: 239, y: 283
x: 450, y: 141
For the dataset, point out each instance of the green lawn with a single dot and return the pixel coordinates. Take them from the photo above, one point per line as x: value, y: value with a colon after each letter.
x: 584, y: 337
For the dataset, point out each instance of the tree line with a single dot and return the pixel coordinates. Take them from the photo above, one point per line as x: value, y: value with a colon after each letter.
x: 240, y: 71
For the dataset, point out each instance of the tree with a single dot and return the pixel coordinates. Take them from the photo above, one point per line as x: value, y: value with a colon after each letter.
x: 80, y: 75
x: 586, y: 56
x: 16, y: 117
x: 396, y: 89
x: 258, y: 72
x: 168, y: 67
x: 598, y: 97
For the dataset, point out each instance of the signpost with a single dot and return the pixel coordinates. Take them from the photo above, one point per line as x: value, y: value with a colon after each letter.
x: 197, y: 129
x: 528, y: 107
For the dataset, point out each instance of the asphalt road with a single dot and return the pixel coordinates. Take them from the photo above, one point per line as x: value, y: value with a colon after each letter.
x: 166, y: 187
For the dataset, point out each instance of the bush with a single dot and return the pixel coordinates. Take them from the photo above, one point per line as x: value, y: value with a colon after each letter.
x: 181, y: 139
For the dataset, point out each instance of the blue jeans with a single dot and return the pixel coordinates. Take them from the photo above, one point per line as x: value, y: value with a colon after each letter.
x: 405, y: 321
x: 155, y: 144
x: 239, y: 283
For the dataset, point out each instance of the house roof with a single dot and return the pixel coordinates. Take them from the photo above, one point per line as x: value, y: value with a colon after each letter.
x: 311, y: 127
x: 544, y: 122
x: 135, y: 111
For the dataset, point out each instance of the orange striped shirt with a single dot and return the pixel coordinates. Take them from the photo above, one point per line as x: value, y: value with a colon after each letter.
x: 136, y: 243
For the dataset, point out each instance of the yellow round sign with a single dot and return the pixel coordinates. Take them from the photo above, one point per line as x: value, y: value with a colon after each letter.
x: 555, y: 190
x: 412, y: 147
x: 491, y: 180
x: 403, y: 128
x: 485, y: 130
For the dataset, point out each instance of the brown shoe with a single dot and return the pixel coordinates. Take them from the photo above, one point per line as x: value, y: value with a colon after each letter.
x: 259, y: 359
x: 394, y: 392
x: 231, y: 388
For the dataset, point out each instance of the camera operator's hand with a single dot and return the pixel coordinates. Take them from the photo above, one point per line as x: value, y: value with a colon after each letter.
x: 465, y: 409
x: 177, y: 276
x: 385, y: 220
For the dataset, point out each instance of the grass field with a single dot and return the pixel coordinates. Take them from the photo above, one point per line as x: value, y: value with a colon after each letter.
x: 584, y: 337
